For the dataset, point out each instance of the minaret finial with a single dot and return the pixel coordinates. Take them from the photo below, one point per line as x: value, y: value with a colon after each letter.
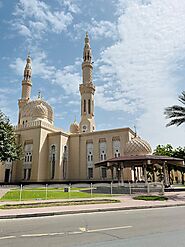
x: 28, y: 69
x: 39, y: 94
x: 135, y: 129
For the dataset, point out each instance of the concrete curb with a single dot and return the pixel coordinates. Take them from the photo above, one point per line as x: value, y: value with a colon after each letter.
x: 29, y: 215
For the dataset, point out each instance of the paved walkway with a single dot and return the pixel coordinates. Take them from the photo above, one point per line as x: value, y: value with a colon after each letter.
x: 126, y: 203
x: 3, y: 191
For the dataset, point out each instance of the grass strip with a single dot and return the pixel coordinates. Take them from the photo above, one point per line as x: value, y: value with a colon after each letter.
x: 39, y: 194
x: 55, y: 204
x: 150, y: 198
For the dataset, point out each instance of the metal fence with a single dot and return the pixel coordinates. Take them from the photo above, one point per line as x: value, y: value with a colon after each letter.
x: 84, y: 190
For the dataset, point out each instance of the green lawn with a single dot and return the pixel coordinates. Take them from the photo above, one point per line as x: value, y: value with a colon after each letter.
x: 52, y: 193
x: 178, y: 185
x: 150, y: 198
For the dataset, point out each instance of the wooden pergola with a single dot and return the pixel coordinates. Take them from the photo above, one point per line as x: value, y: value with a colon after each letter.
x: 146, y: 162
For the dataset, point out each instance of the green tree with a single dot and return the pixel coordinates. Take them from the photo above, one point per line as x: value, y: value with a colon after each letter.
x: 168, y: 150
x: 179, y: 153
x: 8, y: 145
x: 176, y: 113
x: 165, y: 150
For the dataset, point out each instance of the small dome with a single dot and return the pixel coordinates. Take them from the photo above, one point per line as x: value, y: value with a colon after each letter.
x: 137, y: 146
x: 74, y: 127
x: 40, y: 111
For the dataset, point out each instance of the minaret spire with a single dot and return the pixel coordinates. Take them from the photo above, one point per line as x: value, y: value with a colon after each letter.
x: 28, y: 69
x: 87, y: 90
x: 87, y: 55
x: 87, y: 61
x: 26, y: 85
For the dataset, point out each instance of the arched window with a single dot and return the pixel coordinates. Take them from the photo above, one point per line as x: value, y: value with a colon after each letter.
x: 89, y: 148
x: 27, y: 164
x: 102, y: 149
x: 116, y: 147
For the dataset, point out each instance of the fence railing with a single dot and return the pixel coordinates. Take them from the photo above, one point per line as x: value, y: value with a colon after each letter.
x: 83, y: 190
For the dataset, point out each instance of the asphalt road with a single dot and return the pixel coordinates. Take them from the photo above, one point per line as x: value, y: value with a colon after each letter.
x: 154, y: 227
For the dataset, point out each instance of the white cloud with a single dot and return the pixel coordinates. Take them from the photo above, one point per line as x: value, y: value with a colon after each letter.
x: 55, y: 100
x: 142, y: 65
x: 68, y: 77
x: 98, y: 29
x: 22, y: 29
x: 36, y: 17
x: 18, y: 65
x: 109, y: 98
x: 69, y: 80
x: 71, y: 6
x: 39, y: 66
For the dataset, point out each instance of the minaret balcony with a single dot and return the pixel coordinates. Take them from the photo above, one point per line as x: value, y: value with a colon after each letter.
x: 87, y: 88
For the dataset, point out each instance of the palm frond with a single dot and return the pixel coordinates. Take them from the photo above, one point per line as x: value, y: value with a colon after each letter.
x: 182, y: 98
x: 176, y: 121
x: 176, y: 112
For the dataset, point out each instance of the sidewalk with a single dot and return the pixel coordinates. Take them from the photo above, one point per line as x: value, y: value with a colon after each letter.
x: 126, y: 203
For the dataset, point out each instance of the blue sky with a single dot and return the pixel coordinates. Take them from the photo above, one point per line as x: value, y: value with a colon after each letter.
x: 138, y: 52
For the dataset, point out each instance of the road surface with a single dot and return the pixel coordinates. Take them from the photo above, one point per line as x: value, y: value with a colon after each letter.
x: 150, y: 227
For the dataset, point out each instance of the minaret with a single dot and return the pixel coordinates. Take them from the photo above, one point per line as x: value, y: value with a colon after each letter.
x: 87, y: 89
x: 26, y: 85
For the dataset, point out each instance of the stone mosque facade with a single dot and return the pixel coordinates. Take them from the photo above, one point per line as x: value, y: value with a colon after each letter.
x: 53, y: 155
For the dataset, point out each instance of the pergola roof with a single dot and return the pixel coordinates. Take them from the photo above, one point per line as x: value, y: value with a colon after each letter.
x: 139, y: 160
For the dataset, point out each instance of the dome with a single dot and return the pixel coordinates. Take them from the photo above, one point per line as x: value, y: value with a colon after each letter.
x: 40, y: 111
x: 137, y: 146
x: 37, y: 109
x: 74, y: 127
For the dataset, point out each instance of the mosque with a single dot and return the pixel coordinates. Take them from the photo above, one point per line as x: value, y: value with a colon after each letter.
x: 52, y: 155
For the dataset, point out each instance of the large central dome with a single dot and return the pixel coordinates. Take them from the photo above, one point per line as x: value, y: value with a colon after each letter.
x: 137, y: 146
x: 36, y: 110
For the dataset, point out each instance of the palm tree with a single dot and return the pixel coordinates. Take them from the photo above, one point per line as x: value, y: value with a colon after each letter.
x: 176, y: 113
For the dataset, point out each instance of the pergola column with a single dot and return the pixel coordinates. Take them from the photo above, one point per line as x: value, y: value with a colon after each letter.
x: 165, y: 172
x: 121, y: 172
x: 145, y: 173
x: 133, y: 173
x: 112, y: 173
x: 153, y: 173
x: 118, y: 173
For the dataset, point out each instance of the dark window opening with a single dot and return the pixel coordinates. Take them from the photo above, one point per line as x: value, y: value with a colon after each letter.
x: 104, y: 172
x: 84, y: 105
x: 29, y: 174
x: 89, y: 106
x: 24, y: 174
x: 53, y: 167
x: 90, y: 173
